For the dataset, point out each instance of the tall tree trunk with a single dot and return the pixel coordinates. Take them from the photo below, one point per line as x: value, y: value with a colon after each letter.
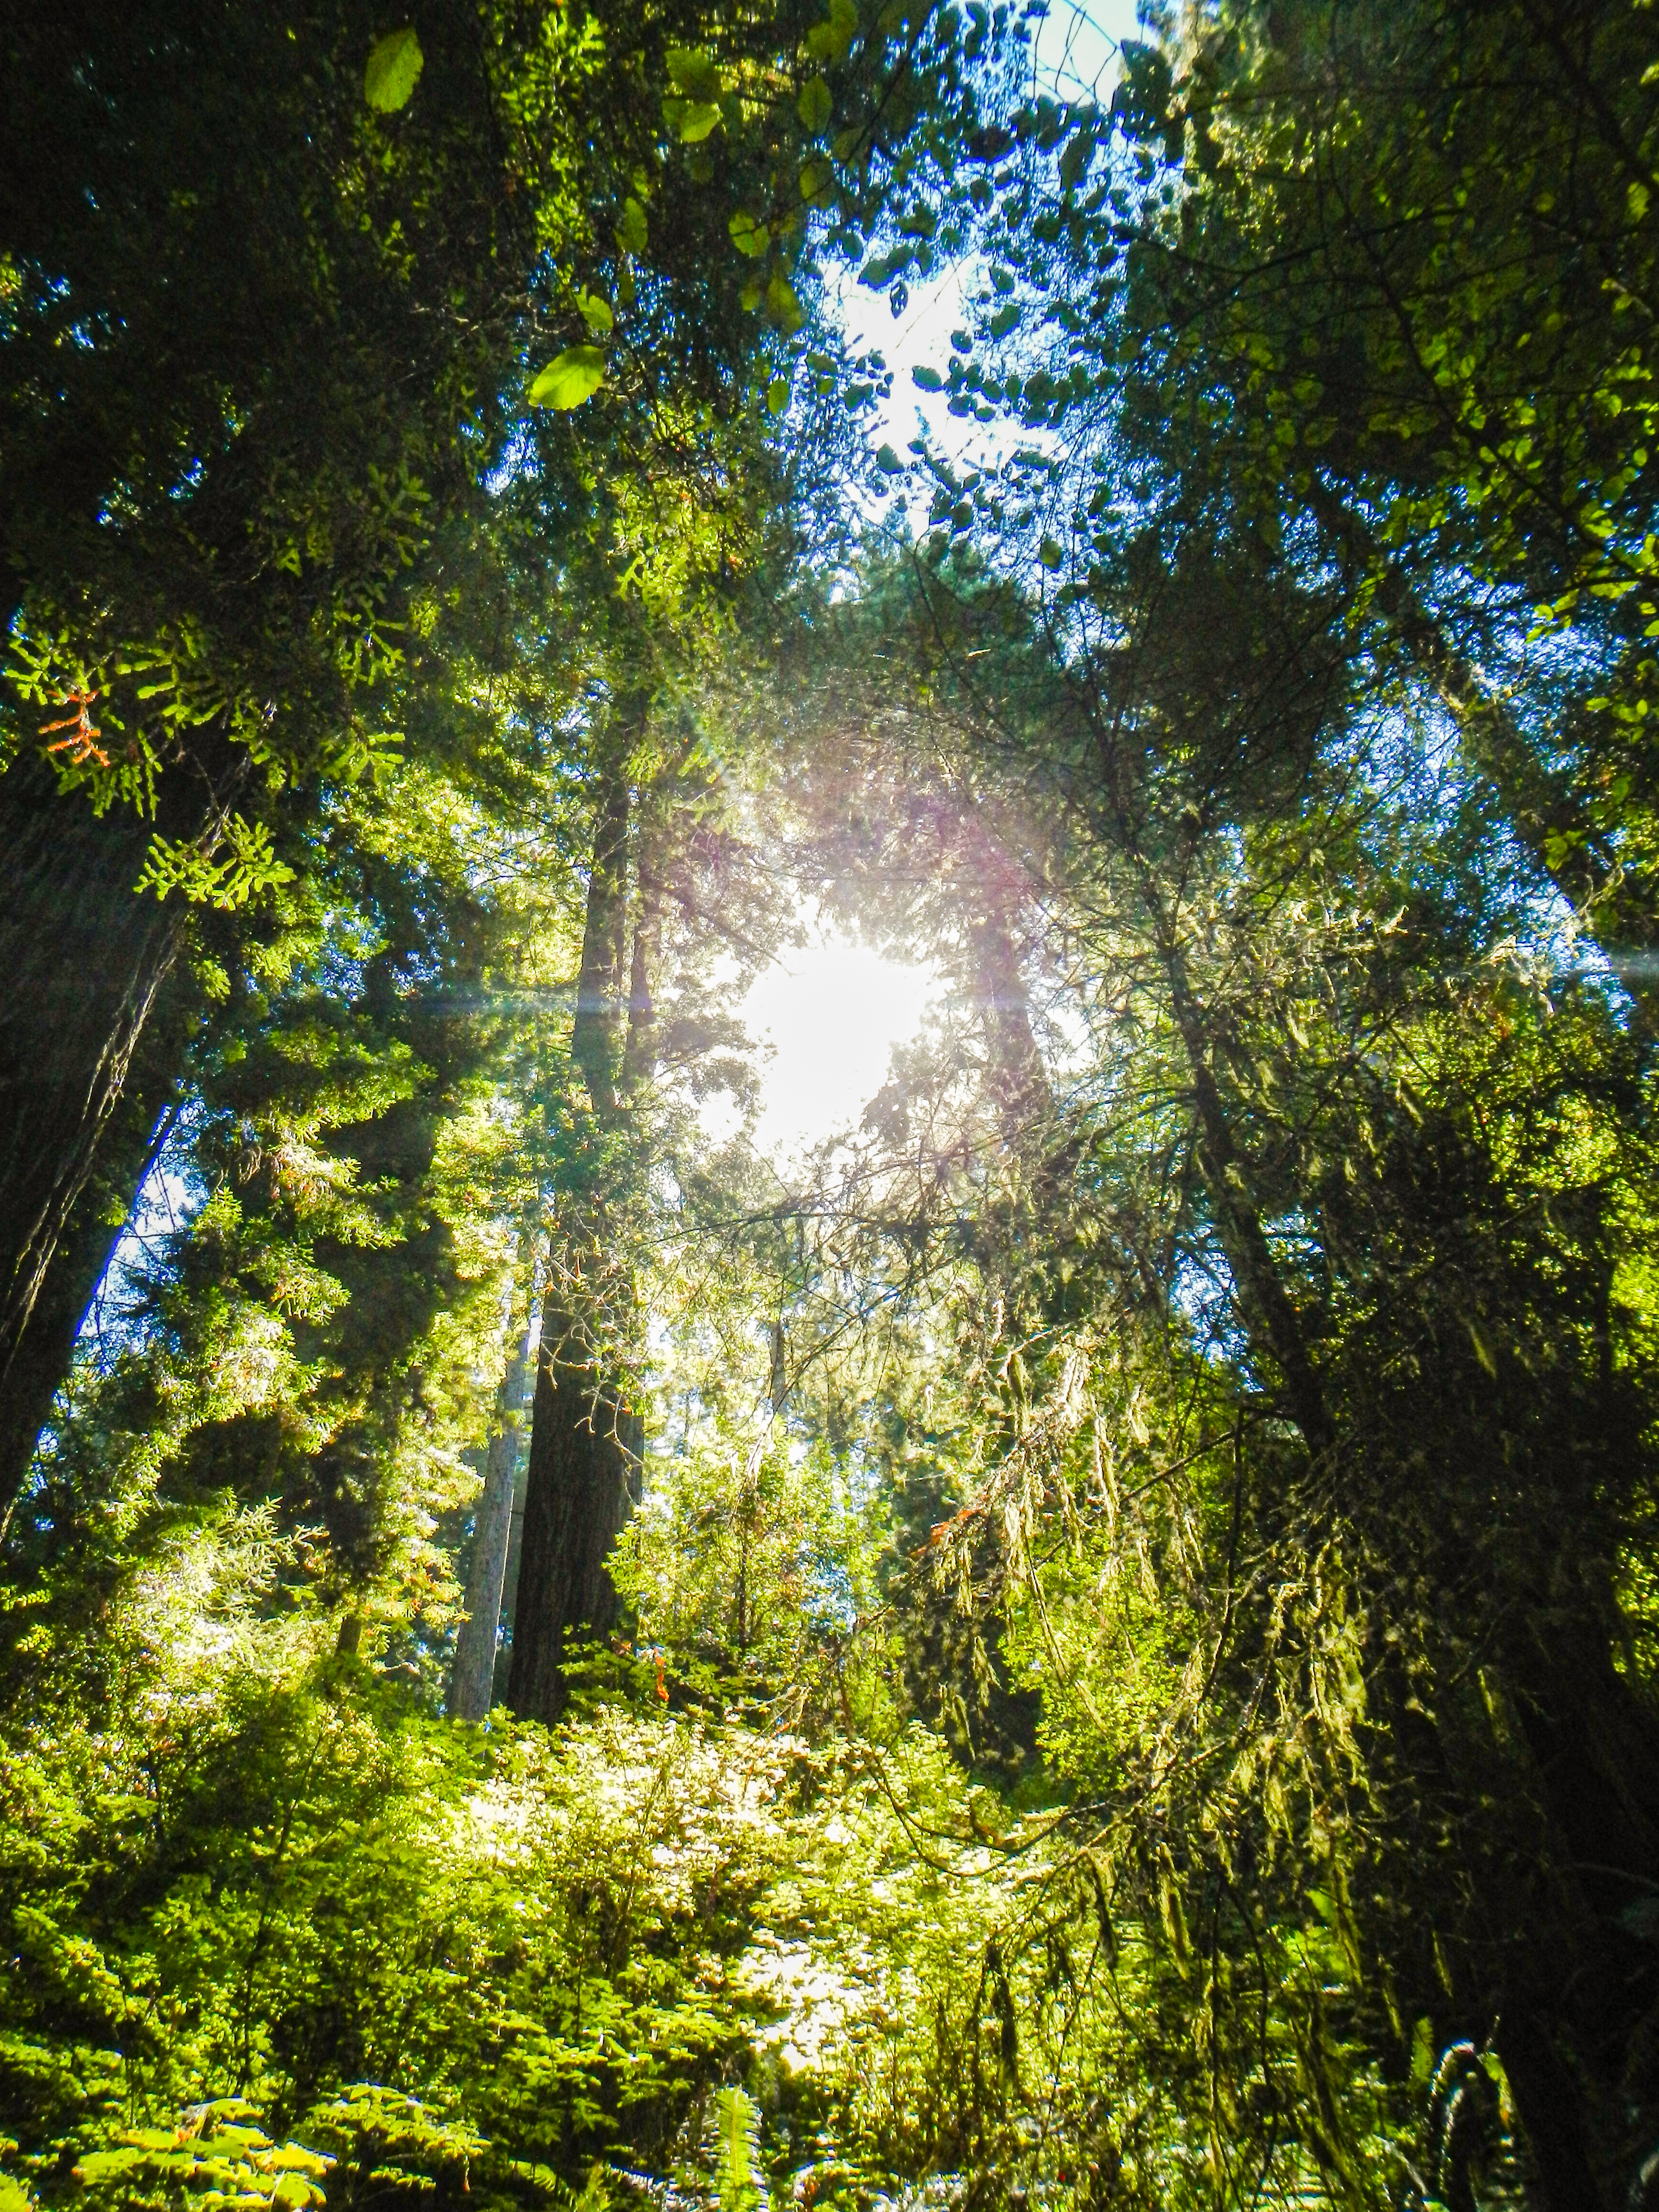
x: 78, y: 1265
x: 585, y: 1451
x: 472, y: 1678
x: 595, y: 1041
x: 587, y: 1441
x: 83, y: 959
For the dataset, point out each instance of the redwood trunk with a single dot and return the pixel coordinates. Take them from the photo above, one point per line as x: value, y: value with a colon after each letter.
x: 82, y: 960
x: 583, y: 1482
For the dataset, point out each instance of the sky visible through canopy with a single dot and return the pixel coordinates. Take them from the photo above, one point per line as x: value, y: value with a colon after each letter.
x: 833, y: 1012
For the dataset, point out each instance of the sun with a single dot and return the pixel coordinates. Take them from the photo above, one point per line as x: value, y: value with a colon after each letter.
x: 832, y: 1012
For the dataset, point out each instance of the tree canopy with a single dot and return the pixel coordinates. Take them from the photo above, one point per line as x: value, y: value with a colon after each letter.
x: 1089, y: 1636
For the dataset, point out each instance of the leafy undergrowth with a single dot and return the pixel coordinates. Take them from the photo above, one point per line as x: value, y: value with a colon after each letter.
x: 287, y: 1939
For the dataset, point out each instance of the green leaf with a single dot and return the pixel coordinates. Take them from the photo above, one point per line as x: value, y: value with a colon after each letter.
x: 395, y: 64
x: 786, y: 310
x: 595, y: 313
x: 817, y: 181
x: 777, y: 395
x: 832, y: 39
x: 889, y: 462
x: 1074, y: 161
x: 816, y: 105
x: 694, y: 72
x: 928, y: 379
x: 701, y: 117
x: 295, y: 2190
x: 631, y: 234
x: 574, y: 376
x: 1051, y: 554
x: 1004, y: 319
x: 749, y: 233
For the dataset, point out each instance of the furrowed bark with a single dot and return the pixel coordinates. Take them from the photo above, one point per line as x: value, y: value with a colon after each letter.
x: 585, y: 1455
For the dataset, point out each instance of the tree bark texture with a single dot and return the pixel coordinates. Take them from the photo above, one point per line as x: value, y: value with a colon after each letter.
x: 84, y: 959
x: 582, y: 1483
x: 133, y: 1143
x: 472, y: 1679
x: 595, y: 1042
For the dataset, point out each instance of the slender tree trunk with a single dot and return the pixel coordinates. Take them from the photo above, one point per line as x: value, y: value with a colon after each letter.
x: 1019, y: 1087
x: 472, y: 1679
x: 1566, y: 843
x: 595, y: 1042
x: 1269, y: 1311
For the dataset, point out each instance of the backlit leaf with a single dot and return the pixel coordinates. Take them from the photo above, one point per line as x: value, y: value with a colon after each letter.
x: 569, y: 379
x: 786, y: 309
x: 749, y: 235
x: 693, y: 72
x: 701, y: 117
x: 816, y: 105
x: 395, y: 64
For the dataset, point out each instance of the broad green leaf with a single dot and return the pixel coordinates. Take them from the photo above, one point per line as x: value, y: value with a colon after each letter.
x: 701, y: 117
x: 1074, y: 161
x: 1051, y: 554
x: 694, y: 72
x: 395, y: 64
x: 817, y: 181
x: 569, y: 379
x: 832, y: 39
x: 777, y: 395
x: 631, y: 233
x: 928, y: 379
x: 816, y: 105
x: 889, y: 462
x: 786, y: 310
x: 749, y: 235
x: 1004, y: 319
x: 595, y: 313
